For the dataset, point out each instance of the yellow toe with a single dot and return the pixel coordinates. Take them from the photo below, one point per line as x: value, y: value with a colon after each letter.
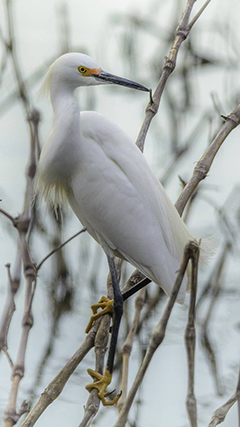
x: 101, y: 385
x: 106, y: 305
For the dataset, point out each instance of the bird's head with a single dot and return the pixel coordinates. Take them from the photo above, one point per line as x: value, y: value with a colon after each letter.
x: 73, y: 70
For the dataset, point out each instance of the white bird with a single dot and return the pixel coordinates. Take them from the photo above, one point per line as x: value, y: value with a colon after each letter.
x: 93, y: 164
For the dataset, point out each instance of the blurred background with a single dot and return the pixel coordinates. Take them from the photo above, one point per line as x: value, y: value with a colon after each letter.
x: 130, y: 39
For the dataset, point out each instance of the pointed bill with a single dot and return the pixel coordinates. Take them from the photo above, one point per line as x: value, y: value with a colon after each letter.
x: 108, y: 78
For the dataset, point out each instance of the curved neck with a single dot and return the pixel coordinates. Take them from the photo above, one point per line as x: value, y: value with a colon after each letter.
x: 63, y: 101
x: 65, y: 139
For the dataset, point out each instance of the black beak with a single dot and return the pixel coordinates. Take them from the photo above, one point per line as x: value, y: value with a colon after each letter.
x: 112, y: 79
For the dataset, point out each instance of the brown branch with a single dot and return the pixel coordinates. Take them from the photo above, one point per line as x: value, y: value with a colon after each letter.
x: 198, y: 14
x: 204, y: 164
x: 23, y: 257
x: 59, y: 247
x: 100, y: 347
x: 8, y: 312
x: 190, y: 339
x: 10, y: 45
x: 11, y: 414
x: 101, y: 341
x: 8, y: 216
x: 97, y: 336
x: 220, y: 414
x: 157, y: 336
x: 182, y: 32
x: 212, y: 289
x: 56, y: 386
x: 127, y: 346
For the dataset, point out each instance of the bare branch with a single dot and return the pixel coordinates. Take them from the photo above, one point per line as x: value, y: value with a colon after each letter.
x: 8, y: 216
x: 127, y: 346
x: 22, y: 225
x: 220, y: 414
x: 59, y: 247
x: 190, y: 339
x: 181, y: 34
x: 156, y: 337
x: 204, y: 164
x: 10, y: 44
x: 56, y: 386
x: 8, y: 313
x: 100, y: 346
x: 198, y: 14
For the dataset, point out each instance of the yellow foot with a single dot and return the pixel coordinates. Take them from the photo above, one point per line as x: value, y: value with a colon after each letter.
x: 101, y: 385
x: 106, y: 305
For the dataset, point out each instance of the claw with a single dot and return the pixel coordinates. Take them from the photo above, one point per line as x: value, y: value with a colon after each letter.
x: 106, y: 305
x: 101, y: 385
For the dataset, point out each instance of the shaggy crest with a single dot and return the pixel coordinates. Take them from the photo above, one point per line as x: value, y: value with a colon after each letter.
x: 44, y: 89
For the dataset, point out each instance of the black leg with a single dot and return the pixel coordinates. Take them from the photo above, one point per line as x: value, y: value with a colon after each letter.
x: 103, y: 381
x: 135, y: 288
x: 117, y: 314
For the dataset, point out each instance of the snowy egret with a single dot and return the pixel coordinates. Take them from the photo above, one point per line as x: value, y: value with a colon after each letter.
x: 94, y: 165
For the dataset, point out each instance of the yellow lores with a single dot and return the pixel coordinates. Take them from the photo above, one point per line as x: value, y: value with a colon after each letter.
x: 88, y: 71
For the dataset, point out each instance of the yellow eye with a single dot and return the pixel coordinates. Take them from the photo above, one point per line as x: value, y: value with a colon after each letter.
x: 82, y: 69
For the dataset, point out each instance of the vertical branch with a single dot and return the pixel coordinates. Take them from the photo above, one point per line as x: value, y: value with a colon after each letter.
x: 190, y: 339
x: 11, y: 413
x: 100, y: 345
x: 8, y: 312
x: 10, y: 45
x: 127, y: 346
x: 156, y: 337
x: 238, y: 397
x: 22, y: 225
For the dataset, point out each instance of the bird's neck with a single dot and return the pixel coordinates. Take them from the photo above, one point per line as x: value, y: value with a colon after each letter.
x: 63, y: 102
x: 64, y: 142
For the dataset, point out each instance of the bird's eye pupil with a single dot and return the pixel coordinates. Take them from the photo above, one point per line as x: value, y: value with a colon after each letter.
x: 82, y: 69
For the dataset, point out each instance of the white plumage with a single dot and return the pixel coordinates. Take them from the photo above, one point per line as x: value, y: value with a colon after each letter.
x: 91, y: 162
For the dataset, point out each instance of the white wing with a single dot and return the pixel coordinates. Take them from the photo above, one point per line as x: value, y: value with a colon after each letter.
x: 122, y: 204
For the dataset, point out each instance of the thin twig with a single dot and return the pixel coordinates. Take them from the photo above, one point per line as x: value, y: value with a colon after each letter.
x: 8, y: 216
x: 59, y: 247
x: 198, y: 14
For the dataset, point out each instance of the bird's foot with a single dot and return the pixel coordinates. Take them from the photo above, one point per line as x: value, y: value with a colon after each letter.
x: 101, y: 385
x: 106, y: 305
